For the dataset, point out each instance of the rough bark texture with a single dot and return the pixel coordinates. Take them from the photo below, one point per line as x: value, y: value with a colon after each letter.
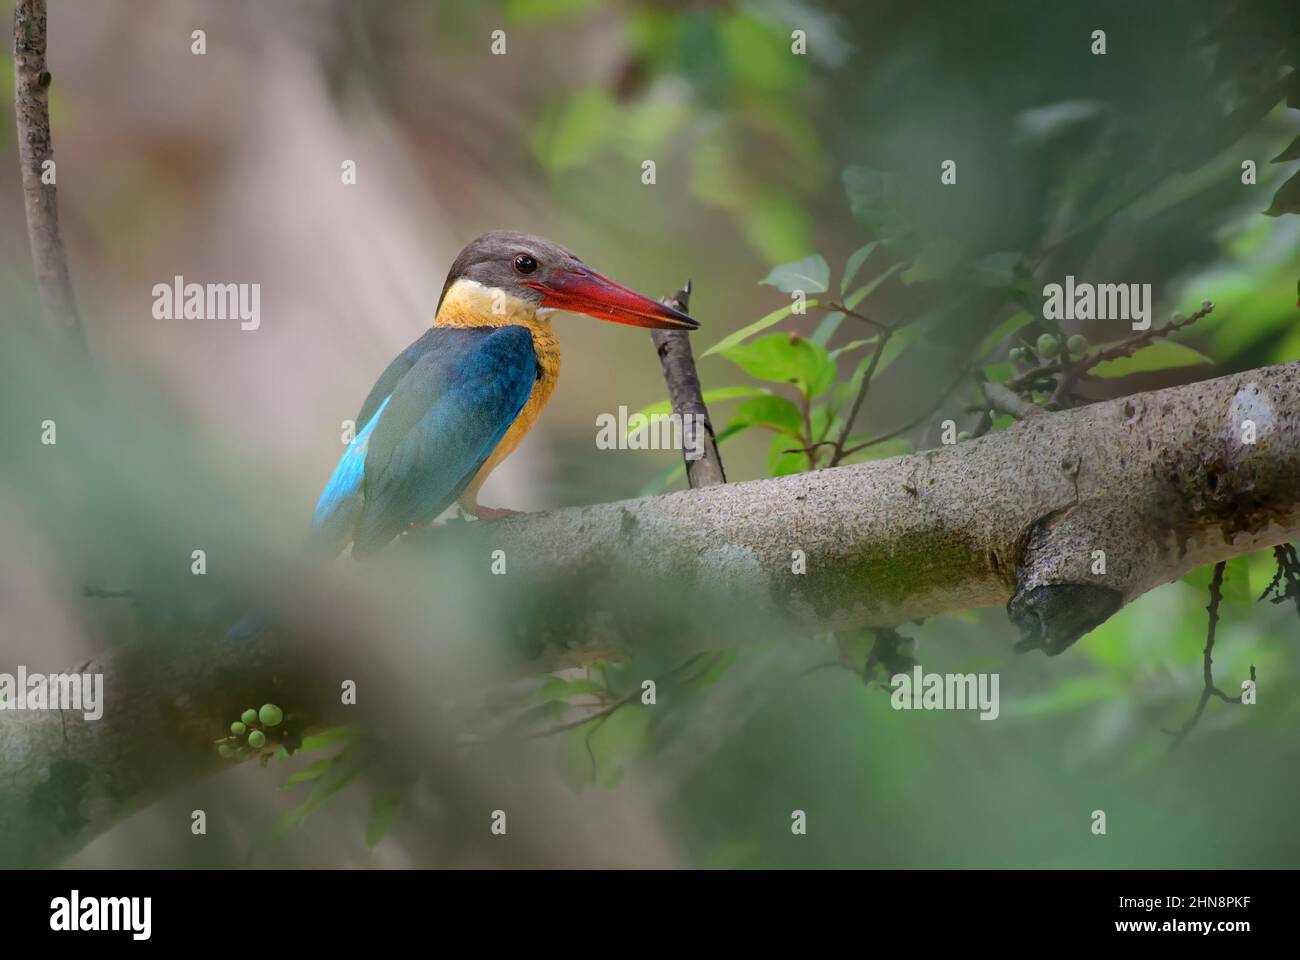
x: 1007, y: 401
x: 32, y: 108
x: 1162, y: 483
x: 64, y: 779
x: 674, y: 347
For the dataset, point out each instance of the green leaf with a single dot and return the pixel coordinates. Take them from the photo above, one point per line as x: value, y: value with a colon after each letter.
x: 897, y: 345
x: 867, y: 289
x: 851, y: 345
x: 1236, y: 582
x: 730, y: 431
x: 851, y: 266
x: 811, y: 275
x: 999, y: 372
x: 313, y: 772
x: 774, y: 413
x: 995, y: 271
x: 823, y: 423
x: 781, y: 463
x: 935, y: 261
x: 826, y: 329
x: 882, y: 202
x: 785, y: 359
x: 1287, y: 198
x: 599, y: 751
x: 384, y: 807
x: 1290, y: 153
x: 759, y: 325
x: 342, y: 770
x: 1038, y: 125
x: 618, y: 740
x: 994, y: 338
x: 1160, y: 355
x: 557, y: 688
x: 720, y: 666
x: 537, y: 715
x: 709, y: 396
x: 327, y: 738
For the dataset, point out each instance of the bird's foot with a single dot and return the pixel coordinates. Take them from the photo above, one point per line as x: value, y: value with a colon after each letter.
x: 492, y: 513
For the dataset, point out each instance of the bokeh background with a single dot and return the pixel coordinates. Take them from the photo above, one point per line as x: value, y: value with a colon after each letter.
x: 225, y: 167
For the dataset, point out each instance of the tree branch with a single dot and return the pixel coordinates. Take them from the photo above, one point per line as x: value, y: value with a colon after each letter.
x: 1157, y: 484
x: 686, y: 397
x: 1207, y: 661
x: 40, y: 196
x: 1160, y: 483
x: 1005, y: 401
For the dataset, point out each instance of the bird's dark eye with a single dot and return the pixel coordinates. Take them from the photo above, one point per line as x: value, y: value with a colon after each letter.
x: 525, y: 264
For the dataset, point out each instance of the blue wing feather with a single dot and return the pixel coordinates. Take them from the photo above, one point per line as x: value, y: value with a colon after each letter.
x: 429, y: 436
x: 341, y: 498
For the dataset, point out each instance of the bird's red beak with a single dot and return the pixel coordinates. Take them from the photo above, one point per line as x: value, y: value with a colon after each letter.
x: 583, y: 290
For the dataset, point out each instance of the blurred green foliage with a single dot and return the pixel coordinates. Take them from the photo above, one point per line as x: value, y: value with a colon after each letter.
x: 1122, y: 167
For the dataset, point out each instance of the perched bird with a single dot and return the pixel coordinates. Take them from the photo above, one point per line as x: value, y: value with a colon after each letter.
x: 458, y: 400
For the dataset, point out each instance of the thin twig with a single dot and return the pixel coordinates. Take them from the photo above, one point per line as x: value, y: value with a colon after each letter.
x: 1207, y: 667
x: 805, y: 411
x: 914, y: 422
x: 687, y: 398
x: 885, y: 331
x: 835, y: 307
x: 838, y: 454
x: 1072, y: 370
x: 607, y: 711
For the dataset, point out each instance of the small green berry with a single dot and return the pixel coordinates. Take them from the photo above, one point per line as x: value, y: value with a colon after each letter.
x: 257, y: 739
x: 238, y: 729
x: 1048, y: 346
x: 226, y: 751
x: 249, y: 716
x: 270, y: 715
x: 963, y: 435
x: 1077, y: 344
x: 1016, y: 354
x: 1207, y: 304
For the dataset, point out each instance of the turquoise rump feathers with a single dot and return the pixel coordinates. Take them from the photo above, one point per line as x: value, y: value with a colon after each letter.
x: 455, y: 392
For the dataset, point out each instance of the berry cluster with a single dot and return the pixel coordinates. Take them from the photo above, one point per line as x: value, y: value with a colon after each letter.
x: 1048, y: 348
x: 249, y: 733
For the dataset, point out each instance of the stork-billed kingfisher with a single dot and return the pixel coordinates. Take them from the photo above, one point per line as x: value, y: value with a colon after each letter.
x: 458, y: 400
